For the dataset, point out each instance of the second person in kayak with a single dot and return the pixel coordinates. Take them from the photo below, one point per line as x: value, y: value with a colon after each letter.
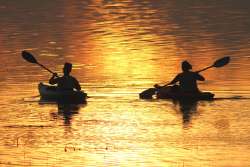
x: 66, y: 82
x: 187, y: 79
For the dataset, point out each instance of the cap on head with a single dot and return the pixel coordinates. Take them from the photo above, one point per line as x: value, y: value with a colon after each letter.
x: 186, y: 66
x: 67, y: 68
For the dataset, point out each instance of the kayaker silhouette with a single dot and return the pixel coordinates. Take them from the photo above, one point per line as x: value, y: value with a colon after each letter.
x: 187, y: 84
x: 66, y: 82
x: 187, y: 79
x: 188, y: 88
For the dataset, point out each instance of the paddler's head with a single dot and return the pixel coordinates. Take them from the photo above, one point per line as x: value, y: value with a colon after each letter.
x: 67, y: 68
x: 186, y: 66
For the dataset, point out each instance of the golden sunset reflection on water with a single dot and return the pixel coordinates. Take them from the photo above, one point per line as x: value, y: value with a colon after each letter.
x: 119, y: 49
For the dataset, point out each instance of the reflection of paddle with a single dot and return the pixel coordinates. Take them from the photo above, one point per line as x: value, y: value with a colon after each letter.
x: 147, y: 94
x: 30, y: 58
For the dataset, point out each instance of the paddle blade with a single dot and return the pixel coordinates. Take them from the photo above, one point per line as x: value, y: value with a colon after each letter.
x: 29, y: 57
x: 221, y: 62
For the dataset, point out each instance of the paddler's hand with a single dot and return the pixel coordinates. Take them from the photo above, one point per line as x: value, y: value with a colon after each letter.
x: 55, y: 75
x: 157, y: 86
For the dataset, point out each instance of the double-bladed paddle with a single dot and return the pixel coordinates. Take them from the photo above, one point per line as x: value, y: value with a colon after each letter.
x: 218, y: 63
x: 30, y: 58
x: 147, y: 94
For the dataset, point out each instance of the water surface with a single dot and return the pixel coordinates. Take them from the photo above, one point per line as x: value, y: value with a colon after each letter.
x: 120, y: 48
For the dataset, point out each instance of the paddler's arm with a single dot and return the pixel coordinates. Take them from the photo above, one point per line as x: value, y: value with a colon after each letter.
x: 77, y: 85
x: 176, y: 79
x: 199, y: 77
x: 53, y: 79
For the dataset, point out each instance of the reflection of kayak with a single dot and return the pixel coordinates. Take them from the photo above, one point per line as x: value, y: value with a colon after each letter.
x: 51, y: 93
x: 173, y: 92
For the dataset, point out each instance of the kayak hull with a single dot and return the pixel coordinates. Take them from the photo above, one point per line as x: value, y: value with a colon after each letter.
x: 52, y: 94
x: 173, y: 92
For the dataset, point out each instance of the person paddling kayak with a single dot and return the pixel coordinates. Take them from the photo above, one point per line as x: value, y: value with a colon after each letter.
x: 66, y: 82
x: 187, y: 79
x: 187, y: 88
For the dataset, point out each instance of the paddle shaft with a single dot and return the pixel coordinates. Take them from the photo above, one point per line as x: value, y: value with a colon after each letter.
x: 204, y: 69
x: 197, y: 72
x: 45, y: 68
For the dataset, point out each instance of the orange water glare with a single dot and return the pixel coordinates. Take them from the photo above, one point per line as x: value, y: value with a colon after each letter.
x: 120, y: 50
x: 125, y: 47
